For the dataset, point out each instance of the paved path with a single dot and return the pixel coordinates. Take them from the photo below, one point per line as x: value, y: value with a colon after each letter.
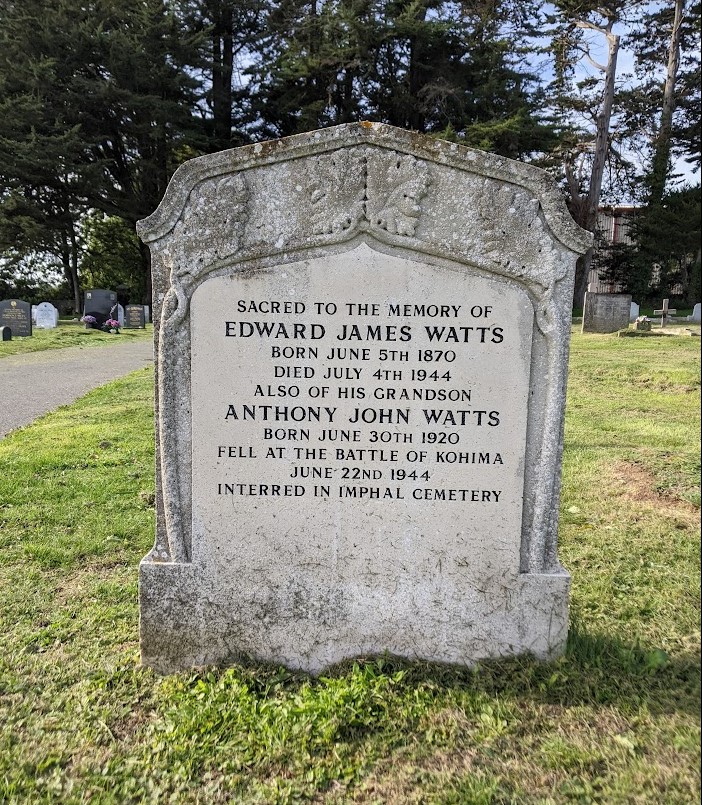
x: 37, y: 382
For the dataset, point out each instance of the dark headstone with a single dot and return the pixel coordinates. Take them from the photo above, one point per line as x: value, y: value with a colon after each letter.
x: 5, y: 334
x: 17, y: 315
x: 134, y: 317
x: 99, y: 303
x: 606, y: 312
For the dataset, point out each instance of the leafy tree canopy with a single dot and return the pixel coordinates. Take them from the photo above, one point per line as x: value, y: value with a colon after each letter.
x: 100, y: 101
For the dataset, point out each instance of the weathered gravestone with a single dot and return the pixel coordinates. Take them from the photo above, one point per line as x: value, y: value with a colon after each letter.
x: 5, y: 334
x: 606, y: 312
x: 46, y: 316
x: 17, y: 315
x: 696, y: 316
x: 134, y: 317
x: 362, y: 338
x: 634, y: 310
x: 99, y: 303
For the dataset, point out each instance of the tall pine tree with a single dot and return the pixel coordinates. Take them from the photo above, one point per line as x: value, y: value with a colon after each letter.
x: 432, y: 66
x: 97, y: 106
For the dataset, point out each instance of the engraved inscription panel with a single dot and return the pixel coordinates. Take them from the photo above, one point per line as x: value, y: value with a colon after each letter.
x: 359, y: 423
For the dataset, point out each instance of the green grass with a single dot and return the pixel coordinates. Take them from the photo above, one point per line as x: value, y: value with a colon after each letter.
x: 616, y: 720
x: 68, y: 334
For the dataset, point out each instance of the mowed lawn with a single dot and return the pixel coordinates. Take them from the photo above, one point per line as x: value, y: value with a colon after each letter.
x: 69, y: 334
x: 616, y: 720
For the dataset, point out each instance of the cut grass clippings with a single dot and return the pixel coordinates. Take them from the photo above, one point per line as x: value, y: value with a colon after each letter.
x: 616, y: 720
x: 69, y: 334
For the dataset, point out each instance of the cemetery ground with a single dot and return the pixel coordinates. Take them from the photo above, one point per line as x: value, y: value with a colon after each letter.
x: 616, y: 720
x: 69, y: 333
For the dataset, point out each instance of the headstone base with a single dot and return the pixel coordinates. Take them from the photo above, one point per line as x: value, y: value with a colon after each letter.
x: 193, y: 617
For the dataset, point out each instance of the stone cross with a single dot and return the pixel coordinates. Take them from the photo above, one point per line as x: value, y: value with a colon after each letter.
x: 665, y: 312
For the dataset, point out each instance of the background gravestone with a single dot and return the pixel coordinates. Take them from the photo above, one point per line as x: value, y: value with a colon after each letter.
x: 362, y: 340
x: 634, y: 312
x: 696, y: 316
x: 606, y: 312
x: 46, y: 316
x: 134, y: 317
x: 5, y: 334
x: 17, y: 315
x: 99, y: 302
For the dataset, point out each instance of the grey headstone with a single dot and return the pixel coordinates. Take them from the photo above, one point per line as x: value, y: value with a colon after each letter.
x: 17, y: 315
x: 634, y: 312
x: 361, y: 343
x: 606, y: 312
x: 146, y: 314
x: 696, y: 316
x: 5, y: 334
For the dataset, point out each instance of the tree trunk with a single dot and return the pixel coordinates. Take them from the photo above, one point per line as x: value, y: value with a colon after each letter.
x: 661, y: 148
x: 582, y: 275
x: 73, y: 269
x: 693, y: 288
x: 310, y: 116
x: 146, y: 265
x: 415, y: 71
x: 222, y: 69
x: 69, y: 264
x: 590, y: 207
x: 345, y: 112
x: 602, y: 137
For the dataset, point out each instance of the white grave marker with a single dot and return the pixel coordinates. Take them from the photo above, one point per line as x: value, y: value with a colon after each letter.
x: 46, y: 316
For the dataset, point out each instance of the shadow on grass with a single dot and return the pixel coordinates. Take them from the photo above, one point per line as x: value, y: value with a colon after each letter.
x: 596, y: 670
